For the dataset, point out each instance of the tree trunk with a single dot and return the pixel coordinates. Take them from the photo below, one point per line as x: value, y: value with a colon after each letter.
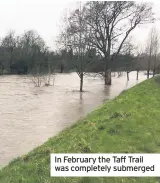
x: 148, y: 74
x: 107, y: 77
x: 11, y: 60
x: 61, y: 69
x: 81, y: 82
x: 137, y: 74
x: 154, y: 71
x: 149, y: 63
x: 154, y: 67
x: 127, y: 75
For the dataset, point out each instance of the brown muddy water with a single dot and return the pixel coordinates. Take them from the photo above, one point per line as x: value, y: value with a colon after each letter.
x: 30, y: 115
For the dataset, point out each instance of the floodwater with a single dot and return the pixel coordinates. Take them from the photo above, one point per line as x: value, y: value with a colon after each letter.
x: 30, y: 115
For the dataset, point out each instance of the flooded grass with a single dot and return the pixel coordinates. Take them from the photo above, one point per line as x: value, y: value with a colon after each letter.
x: 127, y: 124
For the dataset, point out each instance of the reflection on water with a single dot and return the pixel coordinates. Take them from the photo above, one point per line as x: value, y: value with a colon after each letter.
x: 29, y: 116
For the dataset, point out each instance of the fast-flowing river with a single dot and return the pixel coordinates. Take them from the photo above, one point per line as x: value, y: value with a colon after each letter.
x: 30, y: 115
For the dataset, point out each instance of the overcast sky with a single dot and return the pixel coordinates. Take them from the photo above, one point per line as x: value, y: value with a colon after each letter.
x: 44, y: 16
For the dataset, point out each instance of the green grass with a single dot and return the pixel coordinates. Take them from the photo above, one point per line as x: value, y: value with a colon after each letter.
x: 129, y: 123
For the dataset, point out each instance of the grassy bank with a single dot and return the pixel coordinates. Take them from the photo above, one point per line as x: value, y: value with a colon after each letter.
x: 129, y: 123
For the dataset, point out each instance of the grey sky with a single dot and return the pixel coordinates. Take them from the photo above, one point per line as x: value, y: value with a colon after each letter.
x: 44, y: 16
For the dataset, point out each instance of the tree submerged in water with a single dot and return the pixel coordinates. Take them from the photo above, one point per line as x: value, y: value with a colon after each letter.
x: 105, y: 26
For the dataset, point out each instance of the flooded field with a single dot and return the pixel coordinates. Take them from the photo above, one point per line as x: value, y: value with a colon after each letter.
x: 30, y: 115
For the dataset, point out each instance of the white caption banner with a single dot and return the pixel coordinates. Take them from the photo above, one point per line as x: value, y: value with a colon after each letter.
x: 105, y: 165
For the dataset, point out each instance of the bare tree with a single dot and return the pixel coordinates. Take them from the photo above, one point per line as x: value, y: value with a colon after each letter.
x: 129, y: 48
x: 62, y: 40
x: 77, y: 41
x: 155, y: 50
x: 152, y: 50
x: 110, y: 23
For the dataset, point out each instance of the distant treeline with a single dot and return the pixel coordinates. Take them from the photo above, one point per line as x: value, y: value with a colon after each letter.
x: 29, y: 54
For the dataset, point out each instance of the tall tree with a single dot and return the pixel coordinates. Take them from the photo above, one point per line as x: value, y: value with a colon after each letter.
x: 155, y: 49
x: 110, y: 23
x: 152, y: 50
x: 77, y: 41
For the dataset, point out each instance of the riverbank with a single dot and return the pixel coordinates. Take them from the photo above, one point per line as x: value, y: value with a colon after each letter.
x: 129, y: 123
